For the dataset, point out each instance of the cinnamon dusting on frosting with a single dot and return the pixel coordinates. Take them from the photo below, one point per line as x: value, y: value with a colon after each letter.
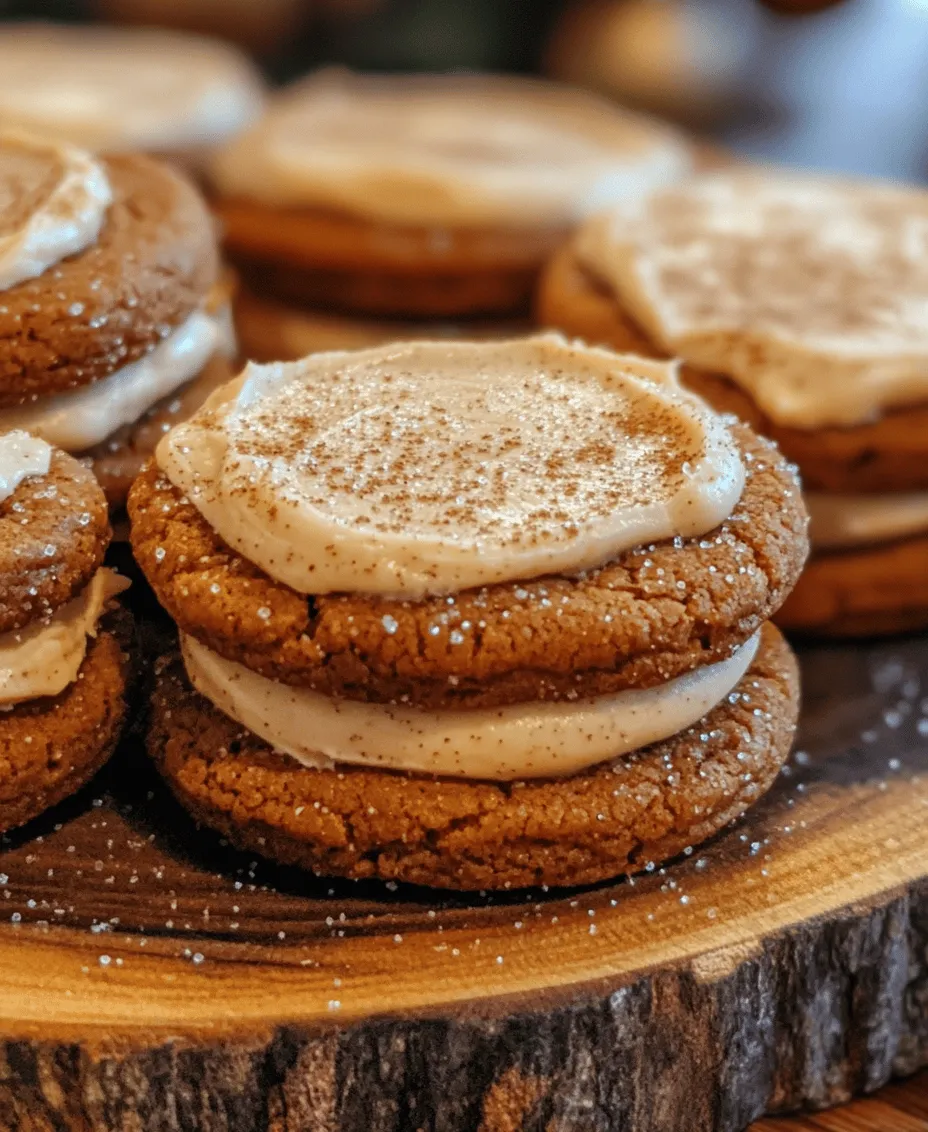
x: 811, y: 292
x: 430, y: 467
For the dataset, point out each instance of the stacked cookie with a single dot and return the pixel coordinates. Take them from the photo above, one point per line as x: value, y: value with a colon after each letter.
x: 798, y: 303
x: 417, y: 199
x: 470, y: 632
x: 113, y: 317
x: 63, y: 662
x: 116, y: 90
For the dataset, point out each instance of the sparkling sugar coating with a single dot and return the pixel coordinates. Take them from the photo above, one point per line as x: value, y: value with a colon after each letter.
x: 433, y: 467
x: 53, y: 202
x: 811, y: 293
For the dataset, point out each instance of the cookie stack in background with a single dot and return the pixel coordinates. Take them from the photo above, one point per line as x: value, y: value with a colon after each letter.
x: 801, y: 304
x: 507, y: 625
x: 116, y: 90
x: 114, y: 317
x: 368, y: 208
x: 64, y: 647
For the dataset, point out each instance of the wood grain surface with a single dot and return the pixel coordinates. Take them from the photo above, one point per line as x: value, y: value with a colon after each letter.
x: 152, y: 979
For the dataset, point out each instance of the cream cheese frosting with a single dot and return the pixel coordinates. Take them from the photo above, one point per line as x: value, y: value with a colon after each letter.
x: 431, y: 467
x: 45, y: 657
x: 448, y: 150
x: 118, y: 89
x: 842, y: 521
x: 534, y: 740
x: 809, y: 292
x: 53, y: 202
x: 21, y: 456
x: 80, y: 419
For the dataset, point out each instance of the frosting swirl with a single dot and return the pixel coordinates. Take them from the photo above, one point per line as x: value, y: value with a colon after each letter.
x: 431, y: 467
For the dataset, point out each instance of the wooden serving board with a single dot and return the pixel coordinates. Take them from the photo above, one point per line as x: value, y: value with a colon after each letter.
x: 153, y: 980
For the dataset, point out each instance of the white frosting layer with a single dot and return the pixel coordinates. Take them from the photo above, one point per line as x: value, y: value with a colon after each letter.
x: 46, y: 656
x: 53, y: 201
x: 80, y: 419
x: 810, y: 293
x: 431, y: 467
x: 115, y: 89
x: 534, y: 740
x: 21, y: 456
x: 461, y: 150
x: 856, y: 520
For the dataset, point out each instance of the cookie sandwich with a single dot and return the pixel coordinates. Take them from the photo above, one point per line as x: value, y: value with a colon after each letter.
x: 423, y: 197
x: 801, y: 304
x: 63, y: 643
x: 441, y: 627
x: 122, y: 90
x: 114, y: 318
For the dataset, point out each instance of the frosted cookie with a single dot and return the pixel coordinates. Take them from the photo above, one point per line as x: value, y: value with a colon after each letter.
x: 63, y: 664
x: 119, y: 90
x: 492, y: 598
x: 111, y: 301
x: 800, y: 304
x: 426, y: 197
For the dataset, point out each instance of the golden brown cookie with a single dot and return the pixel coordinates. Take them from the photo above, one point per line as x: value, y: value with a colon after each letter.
x: 866, y: 591
x: 889, y: 454
x: 271, y: 331
x: 50, y: 747
x: 652, y: 614
x: 95, y: 312
x: 616, y: 818
x: 54, y: 531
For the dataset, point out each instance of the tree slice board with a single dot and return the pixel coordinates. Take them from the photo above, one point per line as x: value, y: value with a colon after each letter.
x: 153, y: 980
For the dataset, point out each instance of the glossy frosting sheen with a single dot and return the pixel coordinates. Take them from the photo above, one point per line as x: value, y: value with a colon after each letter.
x: 811, y: 293
x: 533, y: 740
x: 432, y: 467
x: 53, y: 201
x: 448, y: 151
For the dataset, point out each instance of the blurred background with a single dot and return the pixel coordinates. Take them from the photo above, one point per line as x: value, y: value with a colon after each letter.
x: 844, y: 87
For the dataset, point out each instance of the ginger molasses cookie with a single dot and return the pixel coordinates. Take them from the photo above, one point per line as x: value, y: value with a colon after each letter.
x: 425, y: 197
x: 111, y: 301
x: 796, y: 302
x: 514, y: 603
x: 63, y: 646
x: 126, y: 90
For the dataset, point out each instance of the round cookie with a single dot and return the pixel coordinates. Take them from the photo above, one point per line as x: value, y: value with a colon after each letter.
x: 52, y: 541
x: 617, y: 818
x: 272, y: 331
x: 51, y: 747
x: 648, y: 616
x: 64, y: 648
x: 93, y: 313
x: 426, y: 196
